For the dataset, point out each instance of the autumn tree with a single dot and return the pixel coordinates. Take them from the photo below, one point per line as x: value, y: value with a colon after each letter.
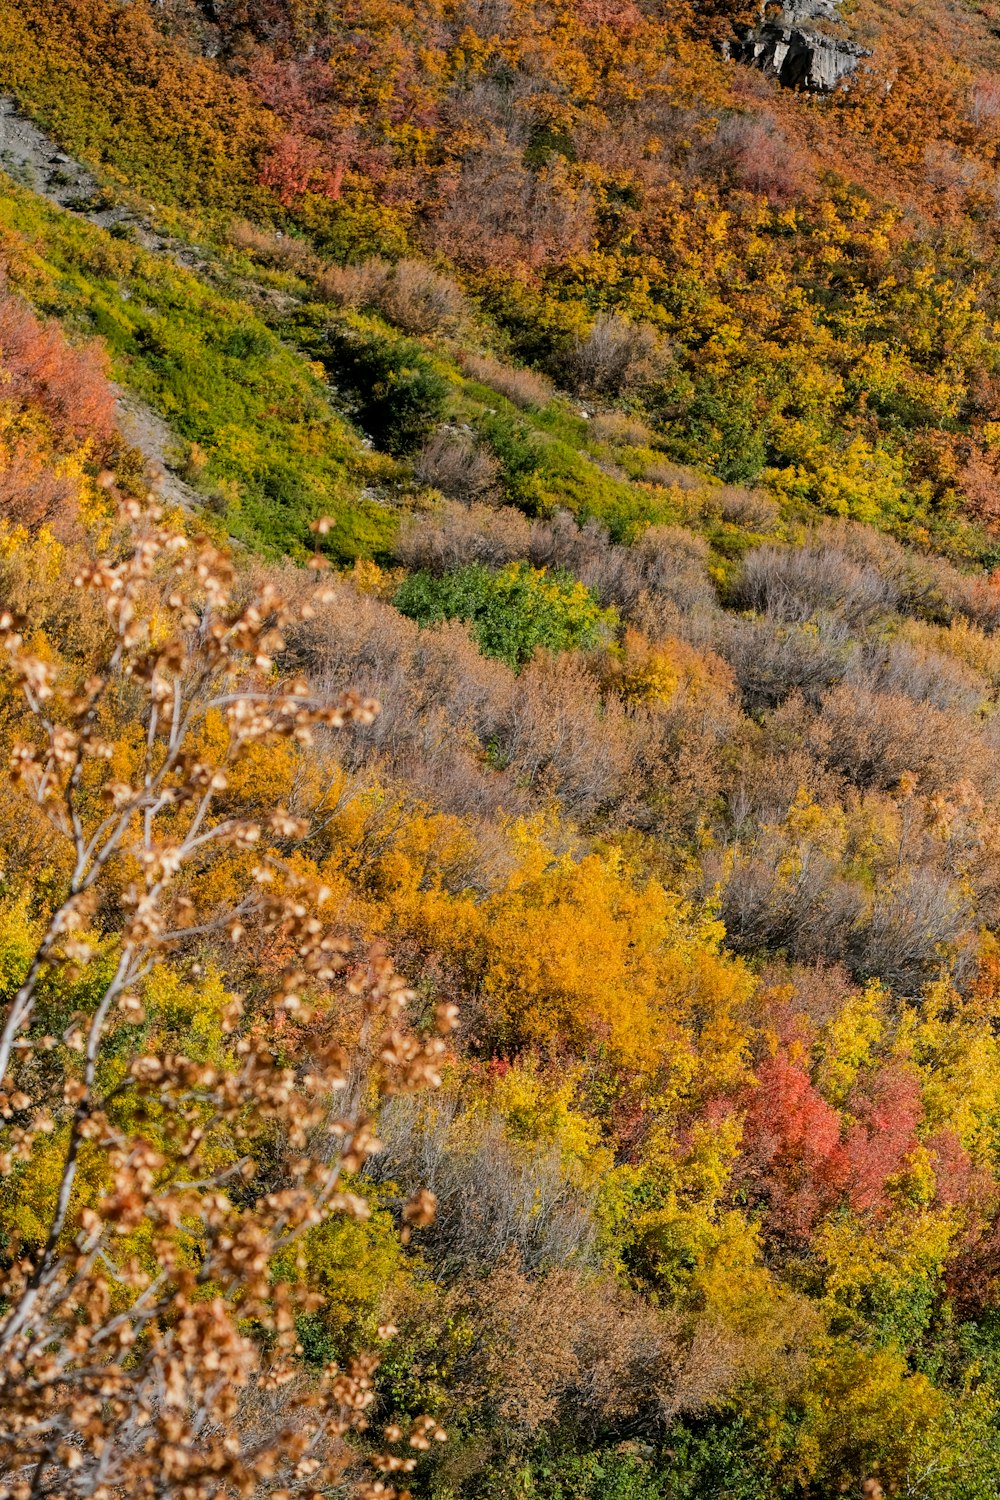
x: 148, y: 1332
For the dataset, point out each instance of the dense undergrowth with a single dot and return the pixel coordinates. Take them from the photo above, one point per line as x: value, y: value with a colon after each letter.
x: 654, y: 415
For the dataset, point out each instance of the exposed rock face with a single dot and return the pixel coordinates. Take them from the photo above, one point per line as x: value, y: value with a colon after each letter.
x: 796, y: 54
x: 796, y: 12
x: 799, y: 59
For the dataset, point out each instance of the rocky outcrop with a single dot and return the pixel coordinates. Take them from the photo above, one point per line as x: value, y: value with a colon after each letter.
x: 798, y: 55
x: 798, y: 12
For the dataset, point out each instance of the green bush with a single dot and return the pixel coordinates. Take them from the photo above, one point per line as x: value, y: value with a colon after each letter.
x: 517, y: 449
x: 511, y: 612
x: 399, y: 396
x: 604, y: 1474
x: 716, y: 1457
x: 542, y: 469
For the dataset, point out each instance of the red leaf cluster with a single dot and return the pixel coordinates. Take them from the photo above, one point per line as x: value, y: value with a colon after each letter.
x: 69, y: 383
x: 800, y: 1160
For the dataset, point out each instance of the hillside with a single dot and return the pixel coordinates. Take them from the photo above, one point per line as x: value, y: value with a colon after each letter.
x: 503, y: 493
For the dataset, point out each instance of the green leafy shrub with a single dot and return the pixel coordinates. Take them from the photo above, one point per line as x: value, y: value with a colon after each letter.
x: 399, y: 396
x: 519, y: 453
x: 603, y: 1474
x: 512, y: 612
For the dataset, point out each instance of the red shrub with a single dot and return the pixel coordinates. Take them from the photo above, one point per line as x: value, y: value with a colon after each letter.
x: 875, y: 1148
x: 981, y: 487
x: 625, y: 17
x: 31, y: 494
x: 38, y: 366
x: 973, y: 1272
x: 497, y: 213
x: 798, y: 1162
x: 759, y: 157
x: 791, y: 1145
x: 955, y: 1175
x: 296, y: 166
x: 984, y: 100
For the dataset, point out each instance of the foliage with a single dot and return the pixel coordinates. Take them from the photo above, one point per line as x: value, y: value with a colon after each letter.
x: 273, y: 455
x: 399, y: 395
x: 144, y: 1289
x: 109, y: 81
x: 688, y: 797
x: 512, y: 612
